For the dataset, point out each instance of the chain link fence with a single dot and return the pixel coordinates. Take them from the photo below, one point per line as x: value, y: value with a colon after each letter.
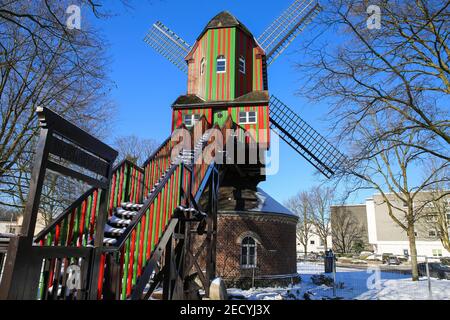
x: 373, y: 277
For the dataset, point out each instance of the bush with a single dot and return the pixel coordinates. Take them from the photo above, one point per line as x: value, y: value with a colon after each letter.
x: 321, y: 279
x: 296, y: 280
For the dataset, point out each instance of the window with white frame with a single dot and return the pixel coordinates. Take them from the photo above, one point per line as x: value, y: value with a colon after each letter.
x: 202, y: 66
x: 247, y: 117
x: 248, y: 253
x: 191, y: 119
x: 437, y: 253
x: 242, y: 64
x: 221, y: 64
x: 432, y: 233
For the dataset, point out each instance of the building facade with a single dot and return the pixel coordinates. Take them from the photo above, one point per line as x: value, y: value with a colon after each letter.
x: 315, y: 243
x: 255, y: 238
x: 386, y: 236
x: 349, y: 228
x: 378, y: 231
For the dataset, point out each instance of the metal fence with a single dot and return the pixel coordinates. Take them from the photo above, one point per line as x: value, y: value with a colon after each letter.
x: 373, y: 277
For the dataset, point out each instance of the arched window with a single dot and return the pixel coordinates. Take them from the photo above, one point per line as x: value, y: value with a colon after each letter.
x: 202, y: 66
x: 248, y: 252
x: 221, y: 64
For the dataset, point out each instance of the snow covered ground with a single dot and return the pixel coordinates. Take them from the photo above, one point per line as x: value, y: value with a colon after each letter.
x: 357, y: 284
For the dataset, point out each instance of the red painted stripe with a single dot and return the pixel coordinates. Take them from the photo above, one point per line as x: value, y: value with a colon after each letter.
x: 171, y: 208
x: 93, y: 216
x: 133, y: 181
x: 150, y: 226
x: 52, y: 272
x: 141, y: 245
x: 158, y: 207
x: 82, y: 222
x: 57, y: 233
x: 101, y: 274
x: 131, y: 262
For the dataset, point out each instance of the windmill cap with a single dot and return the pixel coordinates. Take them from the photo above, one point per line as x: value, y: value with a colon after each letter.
x: 225, y: 19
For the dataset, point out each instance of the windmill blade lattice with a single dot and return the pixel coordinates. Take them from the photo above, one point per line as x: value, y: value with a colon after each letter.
x: 280, y: 34
x: 310, y: 144
x: 168, y: 44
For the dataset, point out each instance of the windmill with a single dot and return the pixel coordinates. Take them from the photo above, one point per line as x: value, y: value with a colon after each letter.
x: 305, y: 140
x: 144, y: 235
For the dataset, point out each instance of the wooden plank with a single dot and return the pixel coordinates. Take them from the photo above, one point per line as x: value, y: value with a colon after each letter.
x: 78, y: 156
x: 76, y: 175
x: 62, y: 252
x: 50, y: 119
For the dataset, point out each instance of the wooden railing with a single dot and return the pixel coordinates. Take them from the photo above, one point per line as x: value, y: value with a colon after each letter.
x: 138, y: 242
x: 122, y: 264
x: 136, y: 245
x: 76, y: 225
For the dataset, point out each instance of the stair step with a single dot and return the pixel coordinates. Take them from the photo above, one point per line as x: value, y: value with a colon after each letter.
x: 114, y: 232
x: 117, y: 222
x: 109, y: 241
x: 124, y: 214
x: 131, y: 206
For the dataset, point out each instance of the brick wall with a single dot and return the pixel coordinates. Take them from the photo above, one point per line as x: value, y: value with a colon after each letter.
x: 276, y: 252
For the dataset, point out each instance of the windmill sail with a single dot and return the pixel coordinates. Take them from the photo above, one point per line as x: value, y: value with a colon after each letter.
x: 279, y: 35
x: 303, y: 138
x: 168, y: 44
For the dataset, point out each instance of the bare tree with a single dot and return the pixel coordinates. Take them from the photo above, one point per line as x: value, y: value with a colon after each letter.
x: 387, y: 167
x: 400, y: 71
x: 43, y: 63
x: 321, y: 199
x: 389, y: 91
x: 135, y: 149
x: 300, y: 205
x: 346, y: 231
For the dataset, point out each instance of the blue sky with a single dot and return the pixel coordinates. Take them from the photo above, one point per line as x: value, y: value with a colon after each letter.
x: 147, y: 84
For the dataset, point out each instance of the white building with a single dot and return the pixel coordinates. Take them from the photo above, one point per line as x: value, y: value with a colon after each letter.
x: 386, y: 236
x: 315, y: 243
x: 9, y: 226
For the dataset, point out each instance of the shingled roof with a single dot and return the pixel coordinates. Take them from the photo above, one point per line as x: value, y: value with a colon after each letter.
x: 224, y: 20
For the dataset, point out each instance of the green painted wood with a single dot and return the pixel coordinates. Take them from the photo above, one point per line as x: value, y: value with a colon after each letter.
x: 125, y: 268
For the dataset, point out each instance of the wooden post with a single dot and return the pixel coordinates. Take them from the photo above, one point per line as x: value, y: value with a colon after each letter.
x: 37, y: 180
x: 98, y: 240
x: 18, y: 277
x: 24, y: 261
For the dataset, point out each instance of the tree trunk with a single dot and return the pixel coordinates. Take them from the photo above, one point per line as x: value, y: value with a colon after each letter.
x: 325, y: 244
x: 305, y: 247
x: 413, y: 249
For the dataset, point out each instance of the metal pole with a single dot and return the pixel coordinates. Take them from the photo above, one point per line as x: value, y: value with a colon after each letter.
x: 253, y: 277
x: 334, y: 275
x: 430, y: 295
